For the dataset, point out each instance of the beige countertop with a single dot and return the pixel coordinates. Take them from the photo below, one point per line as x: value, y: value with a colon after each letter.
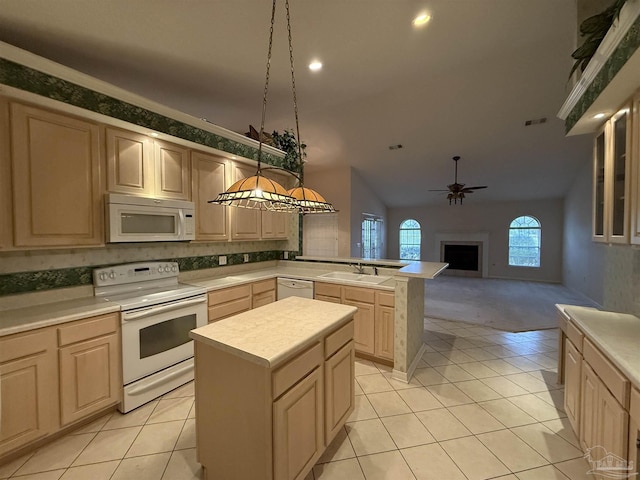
x: 408, y: 268
x: 617, y: 335
x: 270, y: 334
x: 37, y: 316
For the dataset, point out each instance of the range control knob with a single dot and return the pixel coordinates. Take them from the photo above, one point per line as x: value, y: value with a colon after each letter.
x: 160, y: 269
x: 174, y: 268
x: 102, y: 276
x: 112, y: 275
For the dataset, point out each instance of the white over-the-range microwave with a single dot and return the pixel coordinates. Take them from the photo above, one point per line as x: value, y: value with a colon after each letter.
x: 142, y: 219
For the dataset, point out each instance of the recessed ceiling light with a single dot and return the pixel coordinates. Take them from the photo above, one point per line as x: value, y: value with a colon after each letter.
x: 598, y: 115
x: 154, y: 134
x: 315, y: 66
x: 421, y: 20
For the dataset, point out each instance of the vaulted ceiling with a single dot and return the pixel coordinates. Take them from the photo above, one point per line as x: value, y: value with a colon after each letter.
x: 465, y: 84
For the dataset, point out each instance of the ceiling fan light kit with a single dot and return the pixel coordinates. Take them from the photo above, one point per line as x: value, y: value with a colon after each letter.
x: 456, y: 191
x: 259, y: 192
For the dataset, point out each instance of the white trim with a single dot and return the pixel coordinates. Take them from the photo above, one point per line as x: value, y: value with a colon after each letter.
x: 406, y: 376
x: 49, y: 67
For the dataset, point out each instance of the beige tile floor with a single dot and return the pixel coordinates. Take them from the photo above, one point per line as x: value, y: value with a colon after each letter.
x: 482, y: 404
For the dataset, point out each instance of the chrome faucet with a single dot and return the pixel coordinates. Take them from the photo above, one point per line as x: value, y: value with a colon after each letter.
x: 359, y: 268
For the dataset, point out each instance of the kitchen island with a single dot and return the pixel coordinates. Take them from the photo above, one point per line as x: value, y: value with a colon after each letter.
x: 273, y: 387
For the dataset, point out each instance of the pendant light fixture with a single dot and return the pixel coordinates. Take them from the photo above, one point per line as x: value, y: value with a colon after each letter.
x: 259, y: 192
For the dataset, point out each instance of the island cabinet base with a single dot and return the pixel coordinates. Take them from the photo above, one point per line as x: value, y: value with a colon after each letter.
x: 258, y: 422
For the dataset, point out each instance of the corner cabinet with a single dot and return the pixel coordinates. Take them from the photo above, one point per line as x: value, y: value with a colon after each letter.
x: 612, y: 175
x: 57, y: 195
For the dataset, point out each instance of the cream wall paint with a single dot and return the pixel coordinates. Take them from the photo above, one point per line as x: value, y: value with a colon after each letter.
x: 493, y: 219
x: 364, y: 200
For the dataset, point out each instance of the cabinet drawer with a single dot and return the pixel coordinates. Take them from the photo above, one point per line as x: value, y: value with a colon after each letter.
x: 25, y: 344
x: 220, y: 311
x: 328, y: 299
x: 386, y: 299
x: 337, y: 339
x: 286, y: 376
x: 363, y: 295
x: 328, y: 289
x: 263, y: 298
x: 615, y: 381
x: 264, y: 286
x: 229, y: 294
x: 87, y: 329
x: 575, y: 335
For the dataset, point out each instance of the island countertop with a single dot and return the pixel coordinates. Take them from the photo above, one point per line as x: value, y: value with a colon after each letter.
x: 270, y: 334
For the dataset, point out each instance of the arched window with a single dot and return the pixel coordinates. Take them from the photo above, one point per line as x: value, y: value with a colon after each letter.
x: 524, y: 242
x: 410, y: 240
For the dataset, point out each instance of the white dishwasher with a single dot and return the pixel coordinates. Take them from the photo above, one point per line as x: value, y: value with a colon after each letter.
x: 289, y: 287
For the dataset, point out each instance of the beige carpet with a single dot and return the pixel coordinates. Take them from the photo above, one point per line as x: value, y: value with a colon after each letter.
x: 510, y: 305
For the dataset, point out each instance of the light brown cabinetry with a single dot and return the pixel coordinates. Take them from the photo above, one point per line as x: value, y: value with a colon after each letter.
x: 6, y: 222
x: 230, y: 301
x: 635, y: 171
x: 263, y: 292
x: 56, y: 186
x: 28, y: 388
x: 246, y: 224
x: 634, y: 430
x: 374, y: 320
x: 258, y: 422
x: 572, y: 390
x: 209, y: 177
x: 89, y: 367
x: 139, y: 165
x: 612, y: 174
x: 275, y: 225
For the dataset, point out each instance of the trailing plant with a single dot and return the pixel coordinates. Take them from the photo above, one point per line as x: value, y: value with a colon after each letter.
x: 594, y: 30
x: 287, y: 142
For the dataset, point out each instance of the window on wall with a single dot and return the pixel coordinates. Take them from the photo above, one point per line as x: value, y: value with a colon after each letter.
x: 371, y: 236
x: 410, y: 236
x: 524, y: 242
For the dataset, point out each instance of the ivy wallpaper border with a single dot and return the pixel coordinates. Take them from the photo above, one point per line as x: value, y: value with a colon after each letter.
x: 623, y: 52
x: 28, y: 79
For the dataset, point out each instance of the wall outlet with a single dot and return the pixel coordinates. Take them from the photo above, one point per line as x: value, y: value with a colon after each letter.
x: 286, y: 255
x: 222, y: 260
x: 246, y: 258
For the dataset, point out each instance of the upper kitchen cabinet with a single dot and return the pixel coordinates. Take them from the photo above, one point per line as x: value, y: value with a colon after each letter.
x: 55, y: 165
x: 246, y: 224
x: 209, y: 174
x: 635, y: 171
x: 275, y: 225
x: 6, y: 226
x: 138, y: 165
x: 611, y: 179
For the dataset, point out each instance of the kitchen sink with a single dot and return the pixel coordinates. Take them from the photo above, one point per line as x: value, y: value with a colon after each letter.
x: 356, y: 277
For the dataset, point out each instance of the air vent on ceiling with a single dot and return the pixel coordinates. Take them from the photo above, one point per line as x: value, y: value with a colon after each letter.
x: 536, y: 121
x: 395, y: 147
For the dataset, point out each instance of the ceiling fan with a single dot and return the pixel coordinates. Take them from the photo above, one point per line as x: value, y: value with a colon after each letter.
x: 456, y: 191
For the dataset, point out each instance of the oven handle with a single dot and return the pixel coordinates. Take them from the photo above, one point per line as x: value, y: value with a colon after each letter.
x: 163, y: 308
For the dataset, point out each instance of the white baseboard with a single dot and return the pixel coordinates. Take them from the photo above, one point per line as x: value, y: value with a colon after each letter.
x: 406, y: 376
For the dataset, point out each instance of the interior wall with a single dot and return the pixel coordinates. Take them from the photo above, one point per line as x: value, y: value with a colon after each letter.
x: 335, y: 186
x: 583, y: 260
x: 492, y: 219
x: 364, y: 200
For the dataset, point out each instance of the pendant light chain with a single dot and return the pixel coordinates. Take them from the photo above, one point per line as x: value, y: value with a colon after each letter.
x: 293, y: 88
x: 266, y: 84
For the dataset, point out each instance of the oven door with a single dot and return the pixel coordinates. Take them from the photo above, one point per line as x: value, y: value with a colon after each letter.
x: 157, y: 337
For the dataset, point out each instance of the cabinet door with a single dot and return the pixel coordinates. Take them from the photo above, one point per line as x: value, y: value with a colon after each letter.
x: 589, y: 408
x: 599, y: 185
x: 129, y: 163
x: 384, y: 331
x: 275, y: 224
x: 613, y: 424
x: 209, y: 174
x: 6, y: 225
x: 635, y: 171
x: 89, y: 379
x: 298, y: 428
x: 364, y: 328
x: 573, y: 375
x: 28, y: 388
x: 56, y: 179
x: 245, y: 223
x: 618, y: 224
x: 172, y: 172
x: 339, y: 375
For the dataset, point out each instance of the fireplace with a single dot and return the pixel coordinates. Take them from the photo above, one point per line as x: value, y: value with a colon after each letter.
x: 464, y: 258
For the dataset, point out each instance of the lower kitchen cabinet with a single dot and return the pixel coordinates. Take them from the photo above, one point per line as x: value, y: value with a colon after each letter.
x: 263, y: 292
x: 229, y: 301
x: 28, y: 388
x: 89, y: 367
x: 364, y: 333
x: 385, y: 315
x: 53, y: 377
x: 339, y: 372
x: 572, y: 390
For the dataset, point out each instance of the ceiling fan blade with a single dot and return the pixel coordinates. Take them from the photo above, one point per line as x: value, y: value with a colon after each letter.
x: 475, y: 188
